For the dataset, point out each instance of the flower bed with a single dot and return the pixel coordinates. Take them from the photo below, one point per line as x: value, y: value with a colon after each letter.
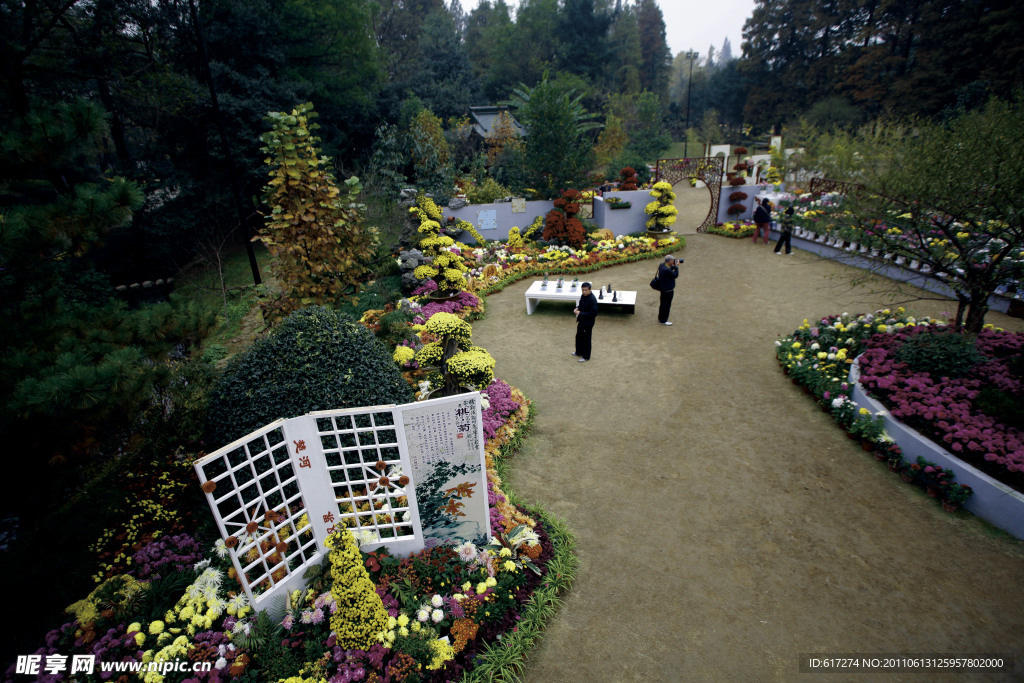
x: 733, y: 229
x: 164, y: 595
x: 944, y: 408
x: 174, y: 604
x: 819, y: 356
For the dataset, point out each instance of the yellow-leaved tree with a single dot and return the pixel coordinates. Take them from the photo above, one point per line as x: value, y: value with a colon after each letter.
x: 315, y: 228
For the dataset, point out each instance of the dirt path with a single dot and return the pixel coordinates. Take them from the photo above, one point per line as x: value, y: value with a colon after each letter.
x: 725, y: 524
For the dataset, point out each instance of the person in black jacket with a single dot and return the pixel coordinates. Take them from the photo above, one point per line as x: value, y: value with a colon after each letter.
x: 667, y: 274
x: 586, y: 315
x: 785, y: 232
x: 762, y: 220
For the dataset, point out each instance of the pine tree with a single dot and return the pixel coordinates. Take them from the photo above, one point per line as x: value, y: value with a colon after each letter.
x: 76, y: 365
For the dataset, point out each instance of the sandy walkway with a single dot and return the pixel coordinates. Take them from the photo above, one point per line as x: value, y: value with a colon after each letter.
x: 725, y: 524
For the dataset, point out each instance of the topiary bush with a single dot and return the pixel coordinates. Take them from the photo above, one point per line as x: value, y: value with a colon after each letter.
x: 940, y: 353
x: 317, y: 359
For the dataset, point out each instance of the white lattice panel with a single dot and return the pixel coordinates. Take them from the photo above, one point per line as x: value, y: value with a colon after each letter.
x: 261, y: 511
x: 278, y: 493
x: 366, y: 464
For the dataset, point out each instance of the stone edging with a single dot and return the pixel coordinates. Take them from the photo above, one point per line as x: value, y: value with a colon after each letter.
x: 993, y: 501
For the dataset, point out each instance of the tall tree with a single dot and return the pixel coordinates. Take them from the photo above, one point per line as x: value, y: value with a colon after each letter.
x: 314, y: 228
x: 583, y: 46
x: 558, y: 153
x: 626, y: 59
x: 449, y: 86
x: 656, y: 58
x: 76, y: 366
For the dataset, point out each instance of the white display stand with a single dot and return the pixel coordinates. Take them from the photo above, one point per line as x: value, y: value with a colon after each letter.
x: 537, y: 293
x: 280, y: 491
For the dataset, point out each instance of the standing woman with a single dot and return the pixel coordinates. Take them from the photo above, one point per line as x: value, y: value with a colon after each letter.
x: 586, y: 315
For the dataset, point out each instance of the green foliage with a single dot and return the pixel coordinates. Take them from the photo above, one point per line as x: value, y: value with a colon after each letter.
x: 78, y: 369
x: 943, y: 194
x: 314, y: 229
x: 1004, y: 405
x: 629, y: 160
x: 431, y: 156
x: 316, y: 359
x: 509, y: 170
x: 940, y: 353
x: 486, y: 192
x: 558, y: 154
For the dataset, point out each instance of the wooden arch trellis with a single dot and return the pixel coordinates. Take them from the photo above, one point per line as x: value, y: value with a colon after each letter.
x: 709, y: 170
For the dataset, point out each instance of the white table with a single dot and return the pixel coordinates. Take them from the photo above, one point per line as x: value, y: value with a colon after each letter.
x: 537, y: 293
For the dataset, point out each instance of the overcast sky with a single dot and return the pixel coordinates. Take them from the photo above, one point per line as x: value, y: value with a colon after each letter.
x: 693, y: 24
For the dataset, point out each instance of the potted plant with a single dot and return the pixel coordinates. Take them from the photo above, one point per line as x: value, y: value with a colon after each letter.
x: 868, y: 428
x: 617, y: 203
x: 955, y: 495
x: 628, y: 179
x: 661, y: 211
x: 895, y: 457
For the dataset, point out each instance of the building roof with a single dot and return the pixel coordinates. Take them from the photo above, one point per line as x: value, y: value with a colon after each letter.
x: 485, y: 118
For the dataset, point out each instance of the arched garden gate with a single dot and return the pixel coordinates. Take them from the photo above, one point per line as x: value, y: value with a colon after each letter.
x: 708, y: 170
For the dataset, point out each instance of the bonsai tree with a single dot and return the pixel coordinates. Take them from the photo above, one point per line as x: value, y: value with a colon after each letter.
x: 461, y: 364
x: 628, y: 179
x: 444, y: 267
x: 561, y: 224
x: 661, y: 211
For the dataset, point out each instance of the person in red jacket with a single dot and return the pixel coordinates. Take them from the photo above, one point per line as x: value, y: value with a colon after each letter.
x: 762, y: 219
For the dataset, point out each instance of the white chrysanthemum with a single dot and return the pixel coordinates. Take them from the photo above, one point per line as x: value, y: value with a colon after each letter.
x: 365, y: 536
x: 437, y: 600
x: 467, y: 552
x: 436, y: 616
x: 220, y: 663
x: 525, y: 536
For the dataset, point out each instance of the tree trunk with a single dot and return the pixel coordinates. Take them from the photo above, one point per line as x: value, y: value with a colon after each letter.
x: 961, y: 310
x: 976, y: 312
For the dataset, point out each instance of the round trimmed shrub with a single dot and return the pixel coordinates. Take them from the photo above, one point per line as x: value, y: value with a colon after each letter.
x: 316, y: 359
x: 737, y: 196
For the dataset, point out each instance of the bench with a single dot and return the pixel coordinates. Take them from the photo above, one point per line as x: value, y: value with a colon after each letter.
x: 537, y: 293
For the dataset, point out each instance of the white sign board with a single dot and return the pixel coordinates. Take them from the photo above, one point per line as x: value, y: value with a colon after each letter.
x: 279, y: 492
x: 487, y: 219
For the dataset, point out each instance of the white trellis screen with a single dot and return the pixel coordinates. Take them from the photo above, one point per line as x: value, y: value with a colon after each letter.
x: 279, y: 492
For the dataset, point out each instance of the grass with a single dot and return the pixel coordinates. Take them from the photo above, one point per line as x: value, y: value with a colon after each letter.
x: 235, y: 297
